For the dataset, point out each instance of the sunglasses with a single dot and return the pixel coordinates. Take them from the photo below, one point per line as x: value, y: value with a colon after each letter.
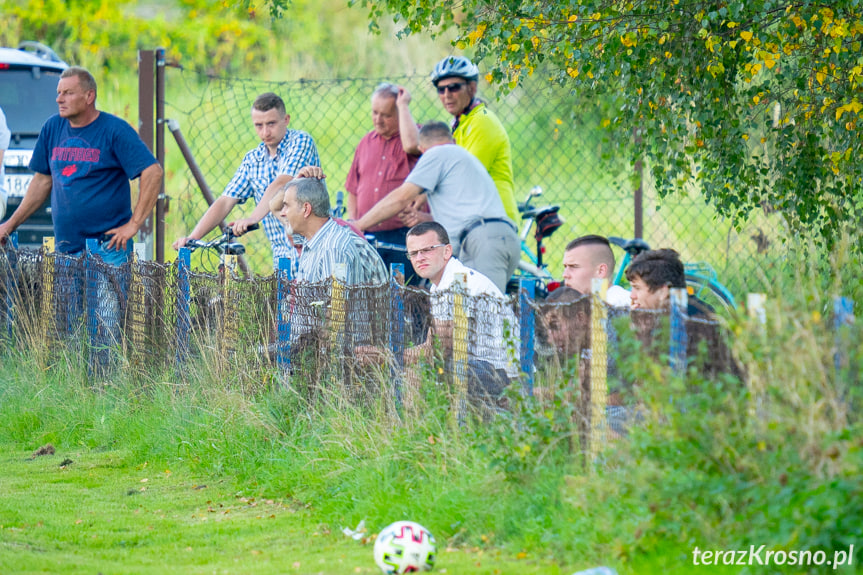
x: 452, y: 88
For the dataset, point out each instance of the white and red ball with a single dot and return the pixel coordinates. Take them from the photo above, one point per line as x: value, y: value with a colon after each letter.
x: 405, y: 547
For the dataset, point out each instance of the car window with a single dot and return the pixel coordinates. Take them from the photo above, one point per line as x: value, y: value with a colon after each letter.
x: 28, y: 99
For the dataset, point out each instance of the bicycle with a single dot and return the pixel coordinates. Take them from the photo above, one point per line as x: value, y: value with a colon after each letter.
x: 531, y: 265
x: 208, y: 299
x: 701, y: 279
x: 224, y: 245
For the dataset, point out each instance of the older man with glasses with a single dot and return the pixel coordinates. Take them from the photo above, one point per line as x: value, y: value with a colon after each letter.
x: 475, y: 127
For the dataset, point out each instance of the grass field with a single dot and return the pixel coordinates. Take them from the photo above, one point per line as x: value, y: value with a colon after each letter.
x: 104, y: 512
x: 716, y: 463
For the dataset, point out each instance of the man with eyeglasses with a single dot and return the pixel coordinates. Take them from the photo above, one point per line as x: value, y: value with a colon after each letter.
x: 491, y: 357
x: 475, y: 128
x: 462, y: 197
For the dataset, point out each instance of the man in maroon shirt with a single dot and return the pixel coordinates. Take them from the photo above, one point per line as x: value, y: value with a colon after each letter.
x: 381, y: 164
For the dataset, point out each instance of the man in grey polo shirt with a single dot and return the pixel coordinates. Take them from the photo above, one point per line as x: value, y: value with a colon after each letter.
x: 463, y: 198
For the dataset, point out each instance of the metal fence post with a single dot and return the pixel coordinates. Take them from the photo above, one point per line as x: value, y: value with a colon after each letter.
x: 184, y: 298
x: 146, y: 93
x: 10, y: 263
x: 597, y: 431
x: 229, y: 326
x: 679, y: 299
x: 137, y: 309
x: 459, y: 345
x: 338, y: 307
x: 47, y: 315
x: 397, y: 327
x: 527, y: 321
x: 283, y: 325
x: 91, y: 296
x: 843, y: 315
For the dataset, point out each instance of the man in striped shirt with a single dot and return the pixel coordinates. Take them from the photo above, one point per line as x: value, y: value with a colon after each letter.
x: 330, y: 250
x: 263, y: 172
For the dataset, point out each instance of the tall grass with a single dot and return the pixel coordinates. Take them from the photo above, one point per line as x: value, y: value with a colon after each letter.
x: 774, y: 459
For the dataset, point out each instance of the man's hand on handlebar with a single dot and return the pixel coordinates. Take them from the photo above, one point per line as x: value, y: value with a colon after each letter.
x: 181, y: 242
x: 242, y: 226
x: 227, y: 235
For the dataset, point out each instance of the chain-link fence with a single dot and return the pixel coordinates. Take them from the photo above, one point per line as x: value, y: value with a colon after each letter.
x: 554, y: 146
x: 362, y: 344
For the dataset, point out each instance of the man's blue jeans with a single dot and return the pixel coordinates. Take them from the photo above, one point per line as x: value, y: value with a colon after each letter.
x: 111, y: 286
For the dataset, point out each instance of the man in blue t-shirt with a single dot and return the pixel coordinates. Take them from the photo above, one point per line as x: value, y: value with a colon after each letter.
x: 84, y: 159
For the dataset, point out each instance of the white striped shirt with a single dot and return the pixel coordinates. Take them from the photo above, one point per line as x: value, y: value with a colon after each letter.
x: 334, y: 244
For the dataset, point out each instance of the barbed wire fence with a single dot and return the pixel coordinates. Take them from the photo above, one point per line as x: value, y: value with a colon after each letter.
x: 553, y: 146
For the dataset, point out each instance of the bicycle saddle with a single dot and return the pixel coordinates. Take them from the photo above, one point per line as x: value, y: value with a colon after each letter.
x: 632, y: 247
x: 539, y: 212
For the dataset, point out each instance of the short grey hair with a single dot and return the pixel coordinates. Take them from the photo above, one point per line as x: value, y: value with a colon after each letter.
x: 386, y: 90
x: 435, y: 133
x: 311, y: 190
x: 85, y: 78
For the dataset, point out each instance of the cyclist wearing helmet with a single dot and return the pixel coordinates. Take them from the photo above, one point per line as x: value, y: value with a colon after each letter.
x: 475, y: 128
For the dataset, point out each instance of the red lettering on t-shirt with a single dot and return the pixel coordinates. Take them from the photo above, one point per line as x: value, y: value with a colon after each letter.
x: 90, y: 155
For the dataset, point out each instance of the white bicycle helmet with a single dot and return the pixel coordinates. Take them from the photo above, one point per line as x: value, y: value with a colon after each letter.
x: 454, y: 67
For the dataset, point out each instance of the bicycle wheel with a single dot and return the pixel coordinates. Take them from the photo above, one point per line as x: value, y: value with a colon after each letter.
x: 711, y: 293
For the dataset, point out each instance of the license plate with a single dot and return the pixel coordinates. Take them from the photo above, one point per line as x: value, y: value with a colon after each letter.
x: 16, y: 185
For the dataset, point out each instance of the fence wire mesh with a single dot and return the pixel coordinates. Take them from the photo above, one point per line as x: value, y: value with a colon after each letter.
x: 555, y: 145
x: 365, y: 345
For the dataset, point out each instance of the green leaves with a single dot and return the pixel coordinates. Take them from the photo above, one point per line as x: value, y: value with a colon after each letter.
x: 736, y: 88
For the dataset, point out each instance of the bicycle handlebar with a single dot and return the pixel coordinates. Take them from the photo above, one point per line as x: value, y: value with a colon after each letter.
x: 385, y: 245
x: 251, y: 228
x: 224, y: 243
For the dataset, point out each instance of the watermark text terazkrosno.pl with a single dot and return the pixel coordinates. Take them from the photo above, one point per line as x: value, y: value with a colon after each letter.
x: 760, y: 555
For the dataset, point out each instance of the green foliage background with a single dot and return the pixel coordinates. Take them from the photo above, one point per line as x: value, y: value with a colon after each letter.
x: 756, y: 103
x: 211, y: 37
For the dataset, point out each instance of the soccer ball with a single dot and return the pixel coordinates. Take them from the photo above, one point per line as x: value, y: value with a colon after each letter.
x: 405, y: 547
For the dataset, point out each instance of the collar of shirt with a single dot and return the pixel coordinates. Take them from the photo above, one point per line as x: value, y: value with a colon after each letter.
x: 453, y: 266
x: 319, y: 236
x: 263, y: 153
x: 376, y: 136
x: 474, y: 104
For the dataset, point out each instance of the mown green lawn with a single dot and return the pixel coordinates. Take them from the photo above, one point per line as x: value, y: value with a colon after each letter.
x: 100, y: 514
